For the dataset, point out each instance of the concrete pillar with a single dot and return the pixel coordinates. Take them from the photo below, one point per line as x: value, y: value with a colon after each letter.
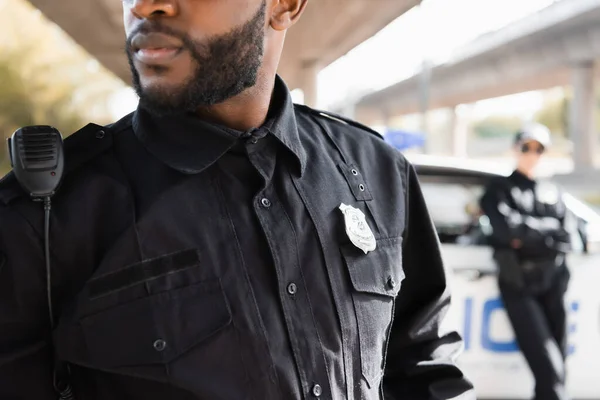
x: 451, y: 131
x: 310, y: 73
x: 437, y: 135
x: 386, y: 118
x: 425, y: 128
x: 447, y: 131
x: 424, y: 106
x: 460, y: 129
x: 583, y: 116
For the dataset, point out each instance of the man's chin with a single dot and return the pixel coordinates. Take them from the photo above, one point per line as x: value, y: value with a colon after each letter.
x: 164, y: 96
x: 159, y: 86
x: 158, y: 105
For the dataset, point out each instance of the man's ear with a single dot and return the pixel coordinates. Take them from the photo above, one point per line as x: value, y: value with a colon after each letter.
x: 285, y: 13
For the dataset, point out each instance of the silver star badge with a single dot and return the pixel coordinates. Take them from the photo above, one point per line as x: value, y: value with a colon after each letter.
x: 357, y: 228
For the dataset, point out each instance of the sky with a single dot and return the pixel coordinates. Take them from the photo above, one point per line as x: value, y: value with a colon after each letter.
x: 432, y: 31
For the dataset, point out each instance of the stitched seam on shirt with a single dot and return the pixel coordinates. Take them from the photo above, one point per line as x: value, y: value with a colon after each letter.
x: 261, y: 170
x: 100, y: 293
x: 277, y: 261
x: 217, y: 183
x: 132, y: 202
x: 336, y: 297
x: 406, y: 205
x: 387, y: 345
x: 330, y: 137
x: 304, y: 281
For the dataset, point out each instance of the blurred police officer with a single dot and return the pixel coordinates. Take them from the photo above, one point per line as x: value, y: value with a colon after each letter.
x: 528, y: 220
x: 223, y: 243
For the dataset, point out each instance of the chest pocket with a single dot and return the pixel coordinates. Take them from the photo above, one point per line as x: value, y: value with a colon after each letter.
x: 376, y: 279
x: 170, y: 308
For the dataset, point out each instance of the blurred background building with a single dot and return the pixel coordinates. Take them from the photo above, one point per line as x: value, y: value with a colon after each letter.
x: 448, y: 78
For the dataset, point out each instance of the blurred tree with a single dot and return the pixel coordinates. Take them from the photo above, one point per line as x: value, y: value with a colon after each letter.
x: 555, y: 115
x: 16, y: 107
x: 45, y: 77
x: 496, y: 126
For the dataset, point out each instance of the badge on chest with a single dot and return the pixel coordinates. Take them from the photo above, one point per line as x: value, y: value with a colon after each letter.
x: 358, y: 230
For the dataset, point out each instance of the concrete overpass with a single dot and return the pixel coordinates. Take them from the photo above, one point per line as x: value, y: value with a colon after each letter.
x: 328, y: 30
x: 557, y: 46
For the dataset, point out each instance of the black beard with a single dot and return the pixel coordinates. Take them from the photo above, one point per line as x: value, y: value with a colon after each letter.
x: 226, y: 65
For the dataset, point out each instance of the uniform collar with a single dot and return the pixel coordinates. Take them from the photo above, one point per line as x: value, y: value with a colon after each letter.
x: 519, y: 177
x: 190, y: 145
x: 282, y: 124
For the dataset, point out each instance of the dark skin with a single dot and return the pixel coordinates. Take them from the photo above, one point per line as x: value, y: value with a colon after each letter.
x: 165, y: 67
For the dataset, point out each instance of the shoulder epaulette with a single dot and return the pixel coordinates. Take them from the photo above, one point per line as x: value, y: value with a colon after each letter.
x: 80, y: 147
x: 85, y: 144
x: 340, y: 119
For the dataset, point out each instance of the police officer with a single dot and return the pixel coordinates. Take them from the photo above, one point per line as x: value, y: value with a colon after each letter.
x: 223, y: 243
x: 528, y: 218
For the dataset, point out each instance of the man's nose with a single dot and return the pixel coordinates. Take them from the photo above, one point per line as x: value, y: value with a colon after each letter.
x: 147, y: 9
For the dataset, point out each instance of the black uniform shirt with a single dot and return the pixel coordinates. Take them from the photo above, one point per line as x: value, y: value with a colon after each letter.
x: 531, y: 212
x: 191, y: 261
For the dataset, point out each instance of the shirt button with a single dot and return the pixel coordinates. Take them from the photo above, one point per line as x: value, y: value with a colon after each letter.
x: 354, y: 172
x: 253, y: 140
x: 317, y: 390
x: 361, y: 187
x: 160, y: 345
x: 292, y: 289
x: 265, y: 202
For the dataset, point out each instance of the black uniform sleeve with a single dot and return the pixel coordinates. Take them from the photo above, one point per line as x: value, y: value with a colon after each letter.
x: 421, y: 361
x: 493, y: 198
x: 508, y: 223
x: 25, y: 355
x: 563, y: 237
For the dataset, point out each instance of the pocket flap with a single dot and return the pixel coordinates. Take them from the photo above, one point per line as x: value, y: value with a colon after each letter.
x: 156, y: 329
x: 378, y: 272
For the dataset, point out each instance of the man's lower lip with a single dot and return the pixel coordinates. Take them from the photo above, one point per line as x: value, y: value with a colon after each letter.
x: 156, y: 56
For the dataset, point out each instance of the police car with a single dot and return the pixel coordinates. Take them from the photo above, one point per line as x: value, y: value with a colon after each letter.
x: 491, y: 358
